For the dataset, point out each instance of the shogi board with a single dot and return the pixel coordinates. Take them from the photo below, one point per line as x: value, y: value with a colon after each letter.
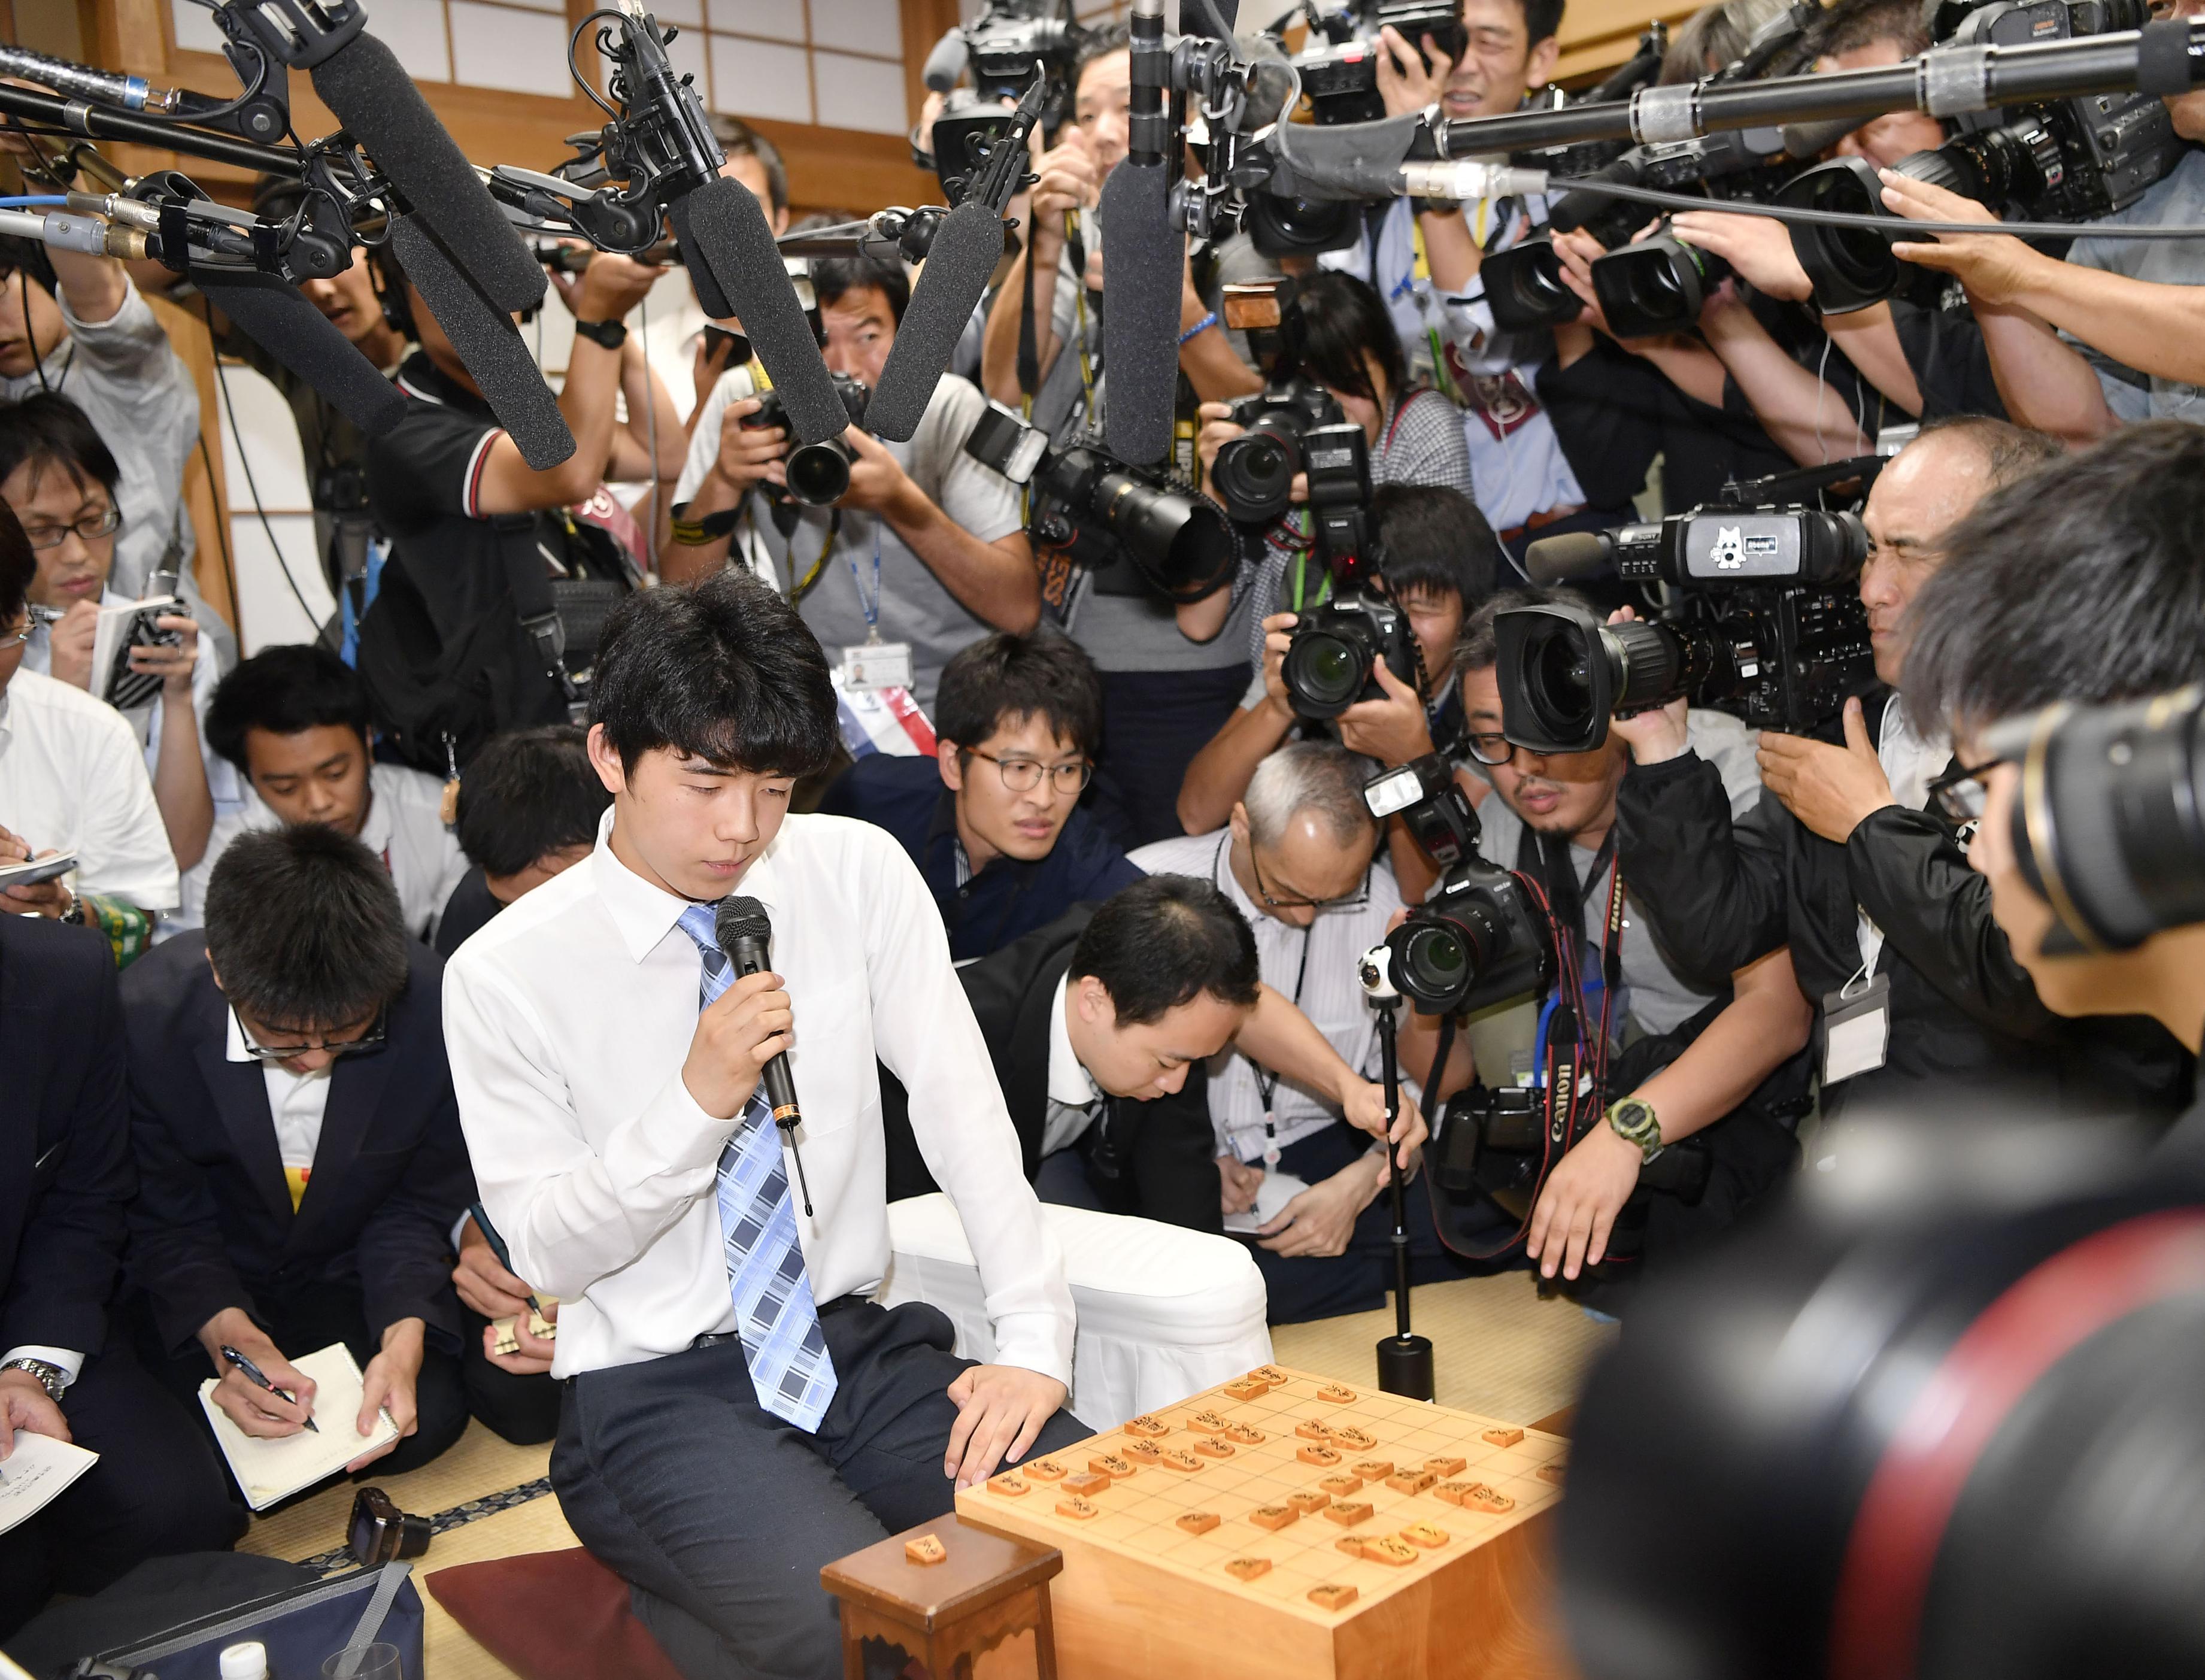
x: 1141, y: 1598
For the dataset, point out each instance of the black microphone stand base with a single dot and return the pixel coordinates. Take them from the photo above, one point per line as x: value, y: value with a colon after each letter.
x: 1405, y: 1366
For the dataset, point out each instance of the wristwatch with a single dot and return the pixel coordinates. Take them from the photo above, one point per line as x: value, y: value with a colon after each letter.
x: 51, y: 1377
x: 1635, y: 1122
x: 611, y: 334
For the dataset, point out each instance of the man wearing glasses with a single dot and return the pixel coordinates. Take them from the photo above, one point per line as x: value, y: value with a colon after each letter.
x: 995, y: 822
x: 299, y: 1146
x: 1299, y: 1167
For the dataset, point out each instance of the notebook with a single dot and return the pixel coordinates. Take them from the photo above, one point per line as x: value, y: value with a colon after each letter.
x: 38, y: 1471
x: 269, y: 1468
x: 1278, y: 1189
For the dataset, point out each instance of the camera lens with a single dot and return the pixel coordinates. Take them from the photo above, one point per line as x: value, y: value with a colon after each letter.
x: 1525, y: 288
x: 1254, y: 474
x: 1325, y: 671
x: 1655, y: 286
x: 819, y: 473
x: 1436, y: 961
x: 1181, y: 543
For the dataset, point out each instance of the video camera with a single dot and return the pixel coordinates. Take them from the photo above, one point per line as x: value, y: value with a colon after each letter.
x: 1177, y: 539
x: 1477, y: 940
x: 1339, y: 68
x: 819, y: 473
x: 2067, y: 160
x: 1003, y: 48
x: 1762, y: 627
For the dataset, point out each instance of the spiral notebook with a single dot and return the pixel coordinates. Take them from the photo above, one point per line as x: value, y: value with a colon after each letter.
x: 269, y: 1469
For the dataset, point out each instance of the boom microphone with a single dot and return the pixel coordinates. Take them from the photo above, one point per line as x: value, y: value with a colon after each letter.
x: 724, y: 233
x: 484, y: 338
x: 1570, y: 558
x: 967, y: 247
x: 946, y: 63
x: 744, y: 931
x: 1145, y: 259
x: 275, y: 317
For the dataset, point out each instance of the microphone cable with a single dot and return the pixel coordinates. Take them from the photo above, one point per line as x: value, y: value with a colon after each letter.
x: 253, y: 487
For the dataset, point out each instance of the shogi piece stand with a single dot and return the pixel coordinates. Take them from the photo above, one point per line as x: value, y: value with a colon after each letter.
x: 947, y: 1614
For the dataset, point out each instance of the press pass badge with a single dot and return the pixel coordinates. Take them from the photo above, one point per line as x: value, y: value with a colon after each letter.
x: 1856, y: 1028
x: 877, y: 665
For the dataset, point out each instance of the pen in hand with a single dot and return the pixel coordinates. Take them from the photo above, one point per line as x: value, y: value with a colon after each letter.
x: 253, y: 1376
x: 497, y: 1247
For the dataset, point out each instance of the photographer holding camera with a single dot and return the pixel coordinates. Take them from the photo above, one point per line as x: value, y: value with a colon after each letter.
x: 923, y: 553
x: 2083, y: 591
x: 1686, y: 1057
x: 1843, y: 863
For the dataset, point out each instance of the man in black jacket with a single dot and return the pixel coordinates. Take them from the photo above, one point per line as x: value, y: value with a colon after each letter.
x: 1889, y: 929
x: 299, y: 1144
x: 65, y: 1177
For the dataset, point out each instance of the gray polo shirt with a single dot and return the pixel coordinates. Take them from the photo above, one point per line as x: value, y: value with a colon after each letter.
x: 2177, y: 200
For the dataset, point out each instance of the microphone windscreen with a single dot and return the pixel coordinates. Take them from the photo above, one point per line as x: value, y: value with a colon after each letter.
x: 1346, y: 160
x: 380, y: 107
x: 1143, y: 259
x: 966, y: 248
x: 709, y: 297
x: 484, y: 336
x: 1804, y: 141
x: 946, y: 63
x: 728, y: 235
x: 1570, y: 558
x: 278, y: 318
x: 739, y: 917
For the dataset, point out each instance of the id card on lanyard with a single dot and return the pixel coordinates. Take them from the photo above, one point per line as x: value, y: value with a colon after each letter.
x: 874, y: 663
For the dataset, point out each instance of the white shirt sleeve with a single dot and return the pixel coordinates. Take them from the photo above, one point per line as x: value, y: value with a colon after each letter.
x: 121, y: 844
x: 70, y: 1361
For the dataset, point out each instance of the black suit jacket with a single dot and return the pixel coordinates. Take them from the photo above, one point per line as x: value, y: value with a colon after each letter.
x: 65, y: 1166
x: 1152, y: 1158
x: 213, y: 1226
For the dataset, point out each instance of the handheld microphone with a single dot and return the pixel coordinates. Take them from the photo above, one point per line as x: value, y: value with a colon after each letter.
x: 744, y: 931
x: 1144, y: 259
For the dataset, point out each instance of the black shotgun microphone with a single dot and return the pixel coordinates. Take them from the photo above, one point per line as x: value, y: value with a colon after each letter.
x: 278, y: 318
x: 1143, y: 257
x: 745, y: 932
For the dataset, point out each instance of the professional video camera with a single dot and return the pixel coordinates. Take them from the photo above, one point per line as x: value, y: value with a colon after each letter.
x: 1003, y: 49
x: 1338, y: 67
x: 2068, y: 160
x: 819, y: 473
x: 1477, y: 940
x: 1763, y: 626
x: 1177, y: 539
x: 2110, y: 830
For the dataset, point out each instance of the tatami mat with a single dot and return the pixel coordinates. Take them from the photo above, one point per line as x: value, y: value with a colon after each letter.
x: 1497, y: 1348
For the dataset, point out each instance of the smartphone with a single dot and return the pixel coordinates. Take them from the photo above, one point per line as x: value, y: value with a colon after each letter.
x: 33, y: 871
x: 738, y: 346
x: 127, y: 688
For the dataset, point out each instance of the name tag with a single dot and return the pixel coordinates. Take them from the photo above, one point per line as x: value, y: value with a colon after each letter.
x: 877, y: 665
x: 1856, y: 1030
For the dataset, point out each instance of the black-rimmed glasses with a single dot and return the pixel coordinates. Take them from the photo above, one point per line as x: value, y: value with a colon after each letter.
x: 1023, y: 775
x: 1354, y: 900
x: 92, y: 527
x: 1956, y: 798
x: 1489, y: 747
x: 372, y: 1039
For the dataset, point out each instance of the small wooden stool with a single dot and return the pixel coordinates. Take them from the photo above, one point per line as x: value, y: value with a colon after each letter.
x: 949, y: 1614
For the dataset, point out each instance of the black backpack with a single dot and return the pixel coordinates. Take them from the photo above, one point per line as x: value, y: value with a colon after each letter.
x: 489, y: 646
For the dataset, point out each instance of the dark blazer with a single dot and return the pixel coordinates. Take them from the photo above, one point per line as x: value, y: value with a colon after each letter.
x: 213, y: 1226
x: 1156, y: 1158
x: 65, y: 1166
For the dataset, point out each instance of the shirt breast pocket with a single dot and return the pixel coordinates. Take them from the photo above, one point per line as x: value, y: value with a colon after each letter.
x: 832, y: 1064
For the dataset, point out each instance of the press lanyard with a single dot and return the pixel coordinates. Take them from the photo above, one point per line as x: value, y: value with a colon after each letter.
x: 869, y: 608
x: 1267, y: 1084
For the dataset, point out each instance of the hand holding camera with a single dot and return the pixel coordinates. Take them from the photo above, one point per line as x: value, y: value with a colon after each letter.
x: 750, y: 451
x: 1410, y: 80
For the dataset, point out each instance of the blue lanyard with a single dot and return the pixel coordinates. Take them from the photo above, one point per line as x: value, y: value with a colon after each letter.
x: 870, y: 608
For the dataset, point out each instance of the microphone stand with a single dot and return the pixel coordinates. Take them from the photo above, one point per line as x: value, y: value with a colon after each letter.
x: 1404, y: 1359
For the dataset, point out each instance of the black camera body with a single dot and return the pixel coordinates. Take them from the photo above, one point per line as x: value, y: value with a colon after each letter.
x: 1758, y: 631
x: 1012, y: 39
x: 380, y: 1533
x: 819, y: 473
x: 2069, y: 160
x: 1253, y: 474
x: 1424, y: 795
x: 1341, y: 75
x: 1477, y: 941
x: 1179, y: 540
x: 1334, y: 646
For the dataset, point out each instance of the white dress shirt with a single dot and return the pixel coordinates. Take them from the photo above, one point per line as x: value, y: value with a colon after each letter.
x: 1318, y: 969
x: 72, y: 779
x: 569, y: 1018
x: 404, y: 827
x: 296, y: 1102
x: 1074, y: 1098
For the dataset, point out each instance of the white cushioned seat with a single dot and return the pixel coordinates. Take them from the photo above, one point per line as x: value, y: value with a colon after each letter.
x: 1163, y: 1311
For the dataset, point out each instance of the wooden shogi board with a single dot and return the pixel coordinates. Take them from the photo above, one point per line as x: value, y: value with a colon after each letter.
x: 1142, y: 1598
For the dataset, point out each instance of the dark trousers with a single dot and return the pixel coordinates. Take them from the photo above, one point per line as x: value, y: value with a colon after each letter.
x: 157, y: 1488
x: 314, y: 1318
x: 524, y: 1411
x: 720, y: 1515
x: 1153, y: 724
x: 1308, y: 1286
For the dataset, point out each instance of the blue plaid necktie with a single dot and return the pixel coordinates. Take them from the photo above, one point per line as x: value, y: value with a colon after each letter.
x: 775, y: 1314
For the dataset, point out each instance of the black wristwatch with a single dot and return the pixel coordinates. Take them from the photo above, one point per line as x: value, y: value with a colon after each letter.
x: 611, y: 334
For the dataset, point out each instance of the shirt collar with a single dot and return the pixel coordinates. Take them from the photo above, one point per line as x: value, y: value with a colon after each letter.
x: 645, y: 914
x: 236, y: 1035
x: 418, y: 376
x: 1069, y: 1081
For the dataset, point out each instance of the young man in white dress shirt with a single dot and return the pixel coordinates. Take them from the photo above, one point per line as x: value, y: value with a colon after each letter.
x: 738, y: 1412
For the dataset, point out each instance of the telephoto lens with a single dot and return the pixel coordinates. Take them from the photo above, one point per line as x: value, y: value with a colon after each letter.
x: 2109, y: 823
x: 819, y: 473
x: 1471, y: 944
x: 1655, y: 286
x: 1563, y: 674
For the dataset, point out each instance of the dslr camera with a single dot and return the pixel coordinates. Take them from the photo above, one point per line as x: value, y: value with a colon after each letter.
x: 1177, y: 539
x: 1476, y: 941
x: 819, y: 473
x: 1254, y: 473
x: 2071, y: 160
x: 1336, y: 644
x: 1763, y: 626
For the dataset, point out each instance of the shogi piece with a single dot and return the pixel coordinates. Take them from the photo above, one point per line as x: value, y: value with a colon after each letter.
x: 1445, y: 1466
x: 1147, y: 1427
x: 1502, y: 1436
x: 1247, y: 1388
x: 947, y: 1612
x: 1148, y: 1591
x: 1085, y: 1485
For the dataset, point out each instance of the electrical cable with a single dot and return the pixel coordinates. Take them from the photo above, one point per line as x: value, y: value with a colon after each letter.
x: 253, y: 487
x: 222, y: 541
